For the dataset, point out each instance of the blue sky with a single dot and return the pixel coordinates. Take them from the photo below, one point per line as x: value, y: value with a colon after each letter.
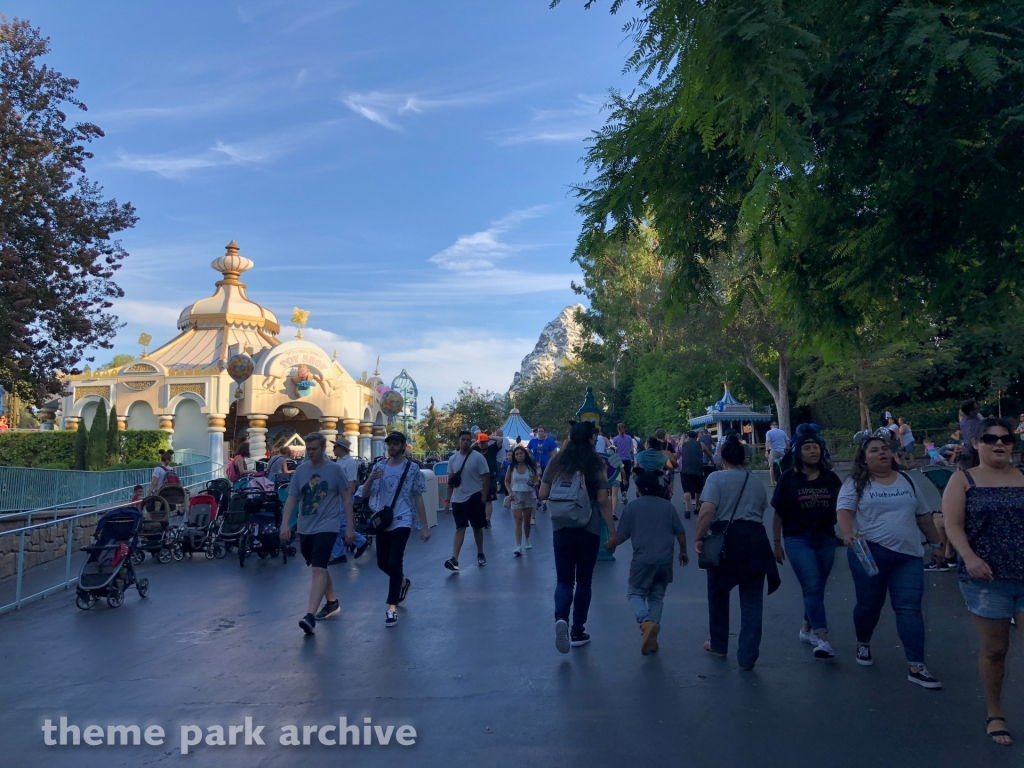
x: 401, y: 169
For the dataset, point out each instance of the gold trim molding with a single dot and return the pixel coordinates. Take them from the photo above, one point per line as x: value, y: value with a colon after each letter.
x: 103, y: 392
x: 138, y: 386
x: 196, y: 388
x: 141, y: 368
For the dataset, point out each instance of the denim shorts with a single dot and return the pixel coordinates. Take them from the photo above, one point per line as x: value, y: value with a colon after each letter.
x: 1002, y: 599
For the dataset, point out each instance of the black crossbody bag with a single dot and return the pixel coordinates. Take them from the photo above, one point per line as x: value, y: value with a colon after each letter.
x: 455, y: 480
x: 714, y: 543
x: 381, y: 520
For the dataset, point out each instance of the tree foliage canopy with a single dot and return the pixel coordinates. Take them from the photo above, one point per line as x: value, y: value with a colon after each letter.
x: 57, y: 258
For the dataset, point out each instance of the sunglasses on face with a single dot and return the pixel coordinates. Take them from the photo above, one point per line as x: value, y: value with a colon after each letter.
x: 993, y: 439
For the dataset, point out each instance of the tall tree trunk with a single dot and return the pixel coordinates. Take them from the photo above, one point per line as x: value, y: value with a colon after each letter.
x: 865, y: 411
x: 779, y: 391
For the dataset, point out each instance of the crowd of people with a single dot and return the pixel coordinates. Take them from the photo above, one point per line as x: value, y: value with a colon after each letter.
x: 878, y: 513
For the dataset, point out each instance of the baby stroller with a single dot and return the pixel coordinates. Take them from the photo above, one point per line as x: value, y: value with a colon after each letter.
x: 109, y: 569
x: 195, y: 534
x: 231, y: 526
x: 176, y: 498
x: 262, y: 533
x: 155, y: 535
x: 220, y: 489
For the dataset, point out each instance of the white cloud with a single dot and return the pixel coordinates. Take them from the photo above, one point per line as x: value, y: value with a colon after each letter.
x: 483, y: 250
x: 384, y: 108
x: 167, y: 166
x: 549, y: 126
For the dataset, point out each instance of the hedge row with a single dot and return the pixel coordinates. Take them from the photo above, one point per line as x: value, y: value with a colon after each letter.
x: 38, y: 449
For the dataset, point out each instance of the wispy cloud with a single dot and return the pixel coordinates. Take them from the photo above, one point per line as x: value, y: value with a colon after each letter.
x: 483, y: 250
x: 549, y: 126
x: 385, y: 108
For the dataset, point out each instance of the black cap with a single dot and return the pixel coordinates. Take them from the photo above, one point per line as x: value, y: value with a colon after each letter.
x: 396, y: 437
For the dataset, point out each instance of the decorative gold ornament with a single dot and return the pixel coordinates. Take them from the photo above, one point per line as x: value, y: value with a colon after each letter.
x: 144, y: 340
x: 103, y: 392
x: 140, y: 368
x: 139, y: 386
x: 195, y: 388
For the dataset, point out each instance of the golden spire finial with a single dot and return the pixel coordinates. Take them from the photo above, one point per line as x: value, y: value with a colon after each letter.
x: 299, y: 317
x: 231, y: 264
x: 376, y: 368
x: 144, y: 340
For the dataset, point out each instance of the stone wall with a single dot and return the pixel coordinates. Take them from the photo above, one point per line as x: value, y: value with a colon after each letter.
x: 42, y: 545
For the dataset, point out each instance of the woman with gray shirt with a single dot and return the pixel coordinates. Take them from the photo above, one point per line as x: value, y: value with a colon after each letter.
x: 733, y: 502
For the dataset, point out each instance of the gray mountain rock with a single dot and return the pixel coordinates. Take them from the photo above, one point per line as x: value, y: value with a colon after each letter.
x: 554, y: 348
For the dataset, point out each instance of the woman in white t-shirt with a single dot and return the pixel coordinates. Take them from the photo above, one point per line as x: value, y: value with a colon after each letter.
x: 882, y: 507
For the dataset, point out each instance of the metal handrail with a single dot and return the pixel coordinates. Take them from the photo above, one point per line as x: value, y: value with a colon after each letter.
x: 69, y: 541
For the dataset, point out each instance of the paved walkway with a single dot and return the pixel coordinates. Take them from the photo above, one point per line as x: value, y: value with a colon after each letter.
x: 472, y: 666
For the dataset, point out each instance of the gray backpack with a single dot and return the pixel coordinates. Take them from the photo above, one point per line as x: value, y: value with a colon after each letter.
x: 569, y: 502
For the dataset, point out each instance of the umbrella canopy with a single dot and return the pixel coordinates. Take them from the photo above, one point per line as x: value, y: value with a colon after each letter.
x: 515, y: 427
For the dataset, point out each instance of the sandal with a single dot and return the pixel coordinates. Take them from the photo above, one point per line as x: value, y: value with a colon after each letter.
x: 992, y: 734
x: 707, y: 647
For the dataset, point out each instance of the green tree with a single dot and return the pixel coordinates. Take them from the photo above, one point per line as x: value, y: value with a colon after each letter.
x: 552, y: 402
x: 116, y: 362
x: 81, y: 449
x: 434, y: 432
x: 113, y: 453
x: 869, y: 154
x: 474, y: 406
x: 96, y: 453
x: 57, y: 255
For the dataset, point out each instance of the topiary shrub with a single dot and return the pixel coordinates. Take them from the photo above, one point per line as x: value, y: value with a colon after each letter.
x: 143, y: 464
x: 113, y: 438
x: 96, y: 453
x: 34, y: 449
x: 143, y: 445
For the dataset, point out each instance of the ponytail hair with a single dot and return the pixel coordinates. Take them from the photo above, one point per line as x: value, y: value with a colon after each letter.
x: 733, y: 451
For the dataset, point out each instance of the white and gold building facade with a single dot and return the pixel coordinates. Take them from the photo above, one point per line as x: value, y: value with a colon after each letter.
x: 184, y: 389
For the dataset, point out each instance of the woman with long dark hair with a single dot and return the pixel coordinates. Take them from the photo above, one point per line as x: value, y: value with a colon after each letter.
x: 576, y: 545
x: 733, y: 504
x: 983, y: 509
x: 880, y: 506
x: 522, y: 477
x: 805, y: 515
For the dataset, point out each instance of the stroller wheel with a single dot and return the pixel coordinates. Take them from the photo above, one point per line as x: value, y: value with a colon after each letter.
x: 115, y: 597
x: 208, y: 551
x: 178, y: 554
x: 163, y: 555
x: 292, y: 551
x: 143, y: 586
x: 220, y: 550
x: 262, y: 555
x: 85, y: 600
x: 138, y: 555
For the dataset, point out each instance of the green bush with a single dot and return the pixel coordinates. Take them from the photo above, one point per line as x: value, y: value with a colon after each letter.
x: 143, y: 464
x: 55, y: 465
x: 96, y: 453
x: 38, y: 449
x: 143, y: 445
x: 80, y: 458
x: 113, y: 438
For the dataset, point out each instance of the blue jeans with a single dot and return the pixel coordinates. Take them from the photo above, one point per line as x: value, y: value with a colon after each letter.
x: 721, y: 580
x: 903, y: 576
x: 339, y: 545
x: 647, y: 603
x: 812, y: 556
x: 575, y: 558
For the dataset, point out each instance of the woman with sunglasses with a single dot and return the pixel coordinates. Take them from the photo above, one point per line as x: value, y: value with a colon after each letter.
x: 984, y: 511
x: 880, y: 506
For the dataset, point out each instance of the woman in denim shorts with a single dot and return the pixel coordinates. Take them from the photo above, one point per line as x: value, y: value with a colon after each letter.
x: 522, y: 477
x: 984, y: 511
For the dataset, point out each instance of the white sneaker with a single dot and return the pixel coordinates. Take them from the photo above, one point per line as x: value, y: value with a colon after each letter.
x: 808, y: 637
x: 527, y: 544
x: 824, y: 650
x: 562, y: 636
x: 518, y: 551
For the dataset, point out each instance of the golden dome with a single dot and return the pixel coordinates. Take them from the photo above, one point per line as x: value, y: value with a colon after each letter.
x: 229, y: 306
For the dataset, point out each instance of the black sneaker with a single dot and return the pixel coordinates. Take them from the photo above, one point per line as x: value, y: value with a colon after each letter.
x: 331, y: 607
x: 390, y: 617
x: 576, y: 639
x: 404, y: 591
x: 360, y: 549
x: 933, y: 567
x: 308, y: 623
x: 480, y: 559
x: 337, y: 560
x: 487, y: 525
x: 864, y: 655
x: 923, y: 678
x: 687, y: 515
x: 451, y: 564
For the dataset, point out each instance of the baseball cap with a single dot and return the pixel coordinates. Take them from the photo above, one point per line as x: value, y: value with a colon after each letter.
x: 398, y: 437
x: 482, y: 437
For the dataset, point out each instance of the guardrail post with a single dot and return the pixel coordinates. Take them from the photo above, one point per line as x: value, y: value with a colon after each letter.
x: 21, y: 569
x: 69, y: 539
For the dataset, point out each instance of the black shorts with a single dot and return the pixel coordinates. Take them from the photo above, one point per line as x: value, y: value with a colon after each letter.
x: 316, y: 547
x: 692, y: 483
x: 492, y: 489
x: 470, y: 513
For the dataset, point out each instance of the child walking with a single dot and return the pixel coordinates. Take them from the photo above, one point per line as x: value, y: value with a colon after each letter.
x: 651, y: 522
x: 522, y: 477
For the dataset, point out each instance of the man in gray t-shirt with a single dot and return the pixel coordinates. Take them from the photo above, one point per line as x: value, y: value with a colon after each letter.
x: 467, y: 502
x: 321, y: 490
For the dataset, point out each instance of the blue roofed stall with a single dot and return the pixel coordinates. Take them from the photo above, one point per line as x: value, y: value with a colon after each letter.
x: 729, y: 413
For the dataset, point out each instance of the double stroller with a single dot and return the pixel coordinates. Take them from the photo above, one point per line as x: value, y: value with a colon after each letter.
x: 197, y: 529
x: 155, y: 535
x: 109, y: 569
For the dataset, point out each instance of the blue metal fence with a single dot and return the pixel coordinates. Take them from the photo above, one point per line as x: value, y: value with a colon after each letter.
x: 23, y: 489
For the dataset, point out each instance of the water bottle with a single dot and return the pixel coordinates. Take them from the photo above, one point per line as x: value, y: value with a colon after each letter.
x: 863, y: 552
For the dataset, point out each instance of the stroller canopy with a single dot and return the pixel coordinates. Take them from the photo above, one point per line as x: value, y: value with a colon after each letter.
x: 118, y: 524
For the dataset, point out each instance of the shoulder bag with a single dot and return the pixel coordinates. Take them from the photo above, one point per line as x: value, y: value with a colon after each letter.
x: 455, y: 479
x: 381, y: 520
x: 714, y: 543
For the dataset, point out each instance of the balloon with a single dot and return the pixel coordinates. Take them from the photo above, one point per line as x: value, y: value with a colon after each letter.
x: 382, y: 389
x: 240, y: 367
x: 392, y: 403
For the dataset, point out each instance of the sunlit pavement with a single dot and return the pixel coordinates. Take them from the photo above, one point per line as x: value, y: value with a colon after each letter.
x: 473, y: 668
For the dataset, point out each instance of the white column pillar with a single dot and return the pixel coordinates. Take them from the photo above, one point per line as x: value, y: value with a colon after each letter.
x: 216, y: 426
x: 329, y: 429
x: 257, y: 436
x: 350, y: 431
x: 365, y: 442
x: 167, y: 425
x: 379, y: 433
